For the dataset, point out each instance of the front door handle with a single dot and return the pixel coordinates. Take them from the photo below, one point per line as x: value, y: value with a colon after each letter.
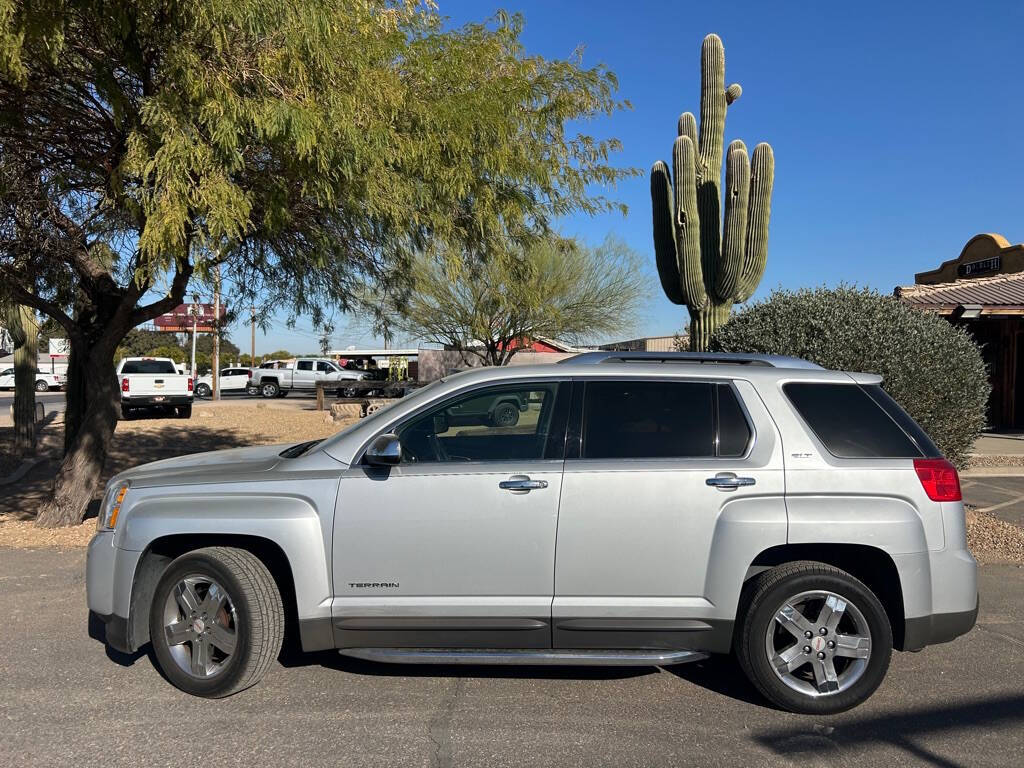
x: 727, y: 481
x: 522, y: 484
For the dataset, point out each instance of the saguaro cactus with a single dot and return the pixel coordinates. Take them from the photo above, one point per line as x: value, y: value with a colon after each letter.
x: 702, y: 264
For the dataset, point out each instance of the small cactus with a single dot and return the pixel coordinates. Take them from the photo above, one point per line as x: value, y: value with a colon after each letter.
x: 701, y: 263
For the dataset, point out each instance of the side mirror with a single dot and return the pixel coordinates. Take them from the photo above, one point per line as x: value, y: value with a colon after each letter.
x: 384, y: 451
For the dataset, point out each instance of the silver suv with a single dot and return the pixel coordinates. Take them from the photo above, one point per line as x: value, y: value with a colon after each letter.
x: 641, y: 509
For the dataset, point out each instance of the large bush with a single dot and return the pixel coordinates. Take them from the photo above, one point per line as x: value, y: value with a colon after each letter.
x: 931, y: 368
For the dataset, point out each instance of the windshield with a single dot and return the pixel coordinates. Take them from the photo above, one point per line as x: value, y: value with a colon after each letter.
x: 148, y: 366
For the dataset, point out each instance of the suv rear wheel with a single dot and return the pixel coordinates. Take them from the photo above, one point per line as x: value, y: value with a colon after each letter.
x: 813, y: 639
x: 216, y: 622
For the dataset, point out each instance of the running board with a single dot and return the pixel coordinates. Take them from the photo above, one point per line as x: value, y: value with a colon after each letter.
x: 589, y: 658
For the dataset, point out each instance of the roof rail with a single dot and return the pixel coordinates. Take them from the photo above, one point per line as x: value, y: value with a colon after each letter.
x: 700, y: 358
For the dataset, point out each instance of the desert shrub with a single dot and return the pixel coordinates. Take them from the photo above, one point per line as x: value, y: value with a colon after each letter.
x: 930, y: 367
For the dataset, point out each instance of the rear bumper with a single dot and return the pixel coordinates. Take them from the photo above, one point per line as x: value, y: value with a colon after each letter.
x: 940, y: 596
x: 153, y: 401
x: 937, y: 628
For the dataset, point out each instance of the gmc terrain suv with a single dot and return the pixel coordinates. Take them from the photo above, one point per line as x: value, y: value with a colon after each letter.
x: 642, y: 509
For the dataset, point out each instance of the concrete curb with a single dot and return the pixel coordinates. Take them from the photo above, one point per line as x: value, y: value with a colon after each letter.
x: 1005, y: 471
x: 26, y: 466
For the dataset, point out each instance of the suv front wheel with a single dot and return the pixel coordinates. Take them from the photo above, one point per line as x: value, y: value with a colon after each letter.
x: 813, y: 639
x: 217, y: 621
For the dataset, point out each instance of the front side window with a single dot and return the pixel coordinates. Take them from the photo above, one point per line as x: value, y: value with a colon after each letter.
x: 511, y: 423
x: 325, y: 367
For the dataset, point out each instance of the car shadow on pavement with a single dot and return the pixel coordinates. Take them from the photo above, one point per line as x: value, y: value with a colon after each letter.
x: 334, y: 660
x: 721, y: 674
x: 900, y: 730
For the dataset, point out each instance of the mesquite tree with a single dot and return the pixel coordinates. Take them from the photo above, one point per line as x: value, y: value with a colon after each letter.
x: 24, y: 331
x: 557, y: 289
x: 701, y: 264
x: 304, y: 149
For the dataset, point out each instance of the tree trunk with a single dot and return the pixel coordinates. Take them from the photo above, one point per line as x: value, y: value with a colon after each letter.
x: 703, y: 324
x: 93, y: 405
x: 26, y: 359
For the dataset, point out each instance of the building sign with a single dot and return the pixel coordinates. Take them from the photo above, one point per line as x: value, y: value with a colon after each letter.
x: 60, y: 347
x: 182, y: 317
x: 975, y: 268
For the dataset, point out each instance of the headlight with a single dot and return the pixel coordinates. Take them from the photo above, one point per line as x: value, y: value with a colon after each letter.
x: 111, y: 507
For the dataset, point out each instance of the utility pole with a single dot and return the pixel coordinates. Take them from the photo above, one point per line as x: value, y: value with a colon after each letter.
x: 216, y: 333
x: 194, y: 311
x: 252, y: 350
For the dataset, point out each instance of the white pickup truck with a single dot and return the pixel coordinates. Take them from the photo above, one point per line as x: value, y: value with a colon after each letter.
x: 304, y: 375
x: 153, y: 383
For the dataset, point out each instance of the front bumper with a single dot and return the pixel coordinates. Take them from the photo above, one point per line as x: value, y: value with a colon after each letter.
x: 109, y: 575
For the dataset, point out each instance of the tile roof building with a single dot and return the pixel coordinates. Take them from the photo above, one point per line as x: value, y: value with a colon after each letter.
x: 983, y: 290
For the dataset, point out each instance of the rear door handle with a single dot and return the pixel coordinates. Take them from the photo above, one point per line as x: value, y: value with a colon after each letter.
x: 522, y: 484
x: 727, y: 481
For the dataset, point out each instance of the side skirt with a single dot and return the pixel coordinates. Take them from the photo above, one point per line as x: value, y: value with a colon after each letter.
x: 582, y: 657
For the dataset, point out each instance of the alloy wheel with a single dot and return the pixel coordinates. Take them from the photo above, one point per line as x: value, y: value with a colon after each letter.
x: 200, y: 626
x: 819, y: 643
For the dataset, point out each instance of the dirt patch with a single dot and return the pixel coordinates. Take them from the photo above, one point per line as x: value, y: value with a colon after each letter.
x: 138, y: 441
x: 992, y: 540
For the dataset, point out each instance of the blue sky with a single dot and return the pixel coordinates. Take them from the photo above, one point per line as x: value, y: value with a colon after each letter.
x: 896, y: 126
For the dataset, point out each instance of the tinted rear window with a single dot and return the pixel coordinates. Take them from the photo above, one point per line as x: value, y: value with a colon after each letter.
x: 851, y: 423
x: 148, y: 366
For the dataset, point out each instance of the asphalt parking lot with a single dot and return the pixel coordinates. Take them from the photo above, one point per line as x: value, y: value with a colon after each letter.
x: 67, y: 700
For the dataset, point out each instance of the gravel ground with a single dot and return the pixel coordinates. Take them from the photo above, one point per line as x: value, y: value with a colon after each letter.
x: 995, y: 461
x: 992, y: 540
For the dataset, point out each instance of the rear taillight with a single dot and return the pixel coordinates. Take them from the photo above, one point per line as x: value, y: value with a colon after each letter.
x: 124, y: 385
x: 939, y: 479
x: 189, y: 383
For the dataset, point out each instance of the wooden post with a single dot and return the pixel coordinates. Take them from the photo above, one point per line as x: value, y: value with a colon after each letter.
x: 319, y: 395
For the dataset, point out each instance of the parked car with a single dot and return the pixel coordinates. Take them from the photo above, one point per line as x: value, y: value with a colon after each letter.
x: 233, y: 381
x: 304, y: 375
x: 44, y: 381
x: 152, y: 384
x: 649, y: 509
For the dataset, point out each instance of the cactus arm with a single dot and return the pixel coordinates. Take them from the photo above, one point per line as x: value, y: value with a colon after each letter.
x: 762, y: 177
x: 688, y: 127
x: 663, y: 208
x: 712, y: 132
x: 734, y: 234
x: 687, y: 221
x: 712, y: 107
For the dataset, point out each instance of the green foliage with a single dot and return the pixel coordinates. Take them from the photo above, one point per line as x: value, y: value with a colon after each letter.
x: 705, y: 263
x: 279, y: 354
x: 557, y: 289
x: 930, y: 367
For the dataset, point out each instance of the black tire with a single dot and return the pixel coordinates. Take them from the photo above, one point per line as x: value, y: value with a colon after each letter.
x: 269, y: 389
x: 203, y: 390
x: 349, y: 392
x: 258, y: 619
x: 505, y: 415
x: 42, y: 386
x: 767, y: 593
x: 183, y: 411
x: 125, y: 413
x: 283, y: 393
